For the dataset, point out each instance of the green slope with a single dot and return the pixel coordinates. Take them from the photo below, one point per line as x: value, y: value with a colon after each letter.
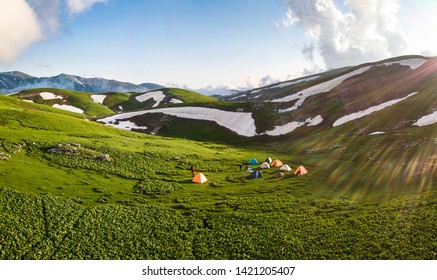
x: 141, y: 204
x: 81, y: 100
x: 186, y: 96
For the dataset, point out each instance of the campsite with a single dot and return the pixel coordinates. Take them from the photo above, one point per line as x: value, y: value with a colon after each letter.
x: 58, y: 194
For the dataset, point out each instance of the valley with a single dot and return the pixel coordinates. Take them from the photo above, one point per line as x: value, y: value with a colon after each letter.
x: 88, y: 175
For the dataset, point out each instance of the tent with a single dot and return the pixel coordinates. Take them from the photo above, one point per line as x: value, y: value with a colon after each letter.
x: 256, y: 174
x: 276, y: 163
x: 252, y: 161
x: 199, y: 178
x: 285, y: 167
x: 300, y: 171
x: 264, y: 165
x: 268, y: 160
x: 279, y: 174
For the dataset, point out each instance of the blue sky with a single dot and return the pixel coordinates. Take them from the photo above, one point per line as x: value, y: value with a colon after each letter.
x: 193, y: 43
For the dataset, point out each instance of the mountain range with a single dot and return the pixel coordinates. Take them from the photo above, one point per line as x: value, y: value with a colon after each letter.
x: 374, y: 91
x: 16, y: 81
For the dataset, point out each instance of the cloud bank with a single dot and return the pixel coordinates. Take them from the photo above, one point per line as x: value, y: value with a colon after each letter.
x: 348, y: 33
x: 26, y: 29
x: 23, y: 23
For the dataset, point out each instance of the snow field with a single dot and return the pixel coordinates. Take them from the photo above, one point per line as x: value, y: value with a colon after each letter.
x: 239, y: 122
x: 158, y: 96
x: 98, y: 98
x: 127, y: 125
x: 49, y: 95
x: 289, y: 127
x: 413, y: 63
x: 368, y: 111
x: 427, y: 120
x: 68, y: 108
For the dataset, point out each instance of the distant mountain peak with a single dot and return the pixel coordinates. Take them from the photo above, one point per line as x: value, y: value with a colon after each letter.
x: 15, y: 81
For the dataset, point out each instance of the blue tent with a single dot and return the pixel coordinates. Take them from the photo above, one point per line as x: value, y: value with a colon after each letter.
x: 252, y: 161
x: 256, y: 174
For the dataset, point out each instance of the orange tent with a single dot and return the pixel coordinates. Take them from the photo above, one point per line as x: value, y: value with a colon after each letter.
x: 300, y: 171
x: 199, y: 178
x: 276, y: 163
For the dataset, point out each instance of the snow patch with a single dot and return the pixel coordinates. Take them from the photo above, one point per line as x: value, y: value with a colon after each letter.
x: 98, y: 98
x: 127, y: 125
x: 368, y: 111
x: 316, y: 89
x: 289, y: 127
x: 239, y: 122
x: 315, y: 121
x: 31, y: 101
x: 49, y: 95
x: 377, y: 133
x: 176, y: 101
x: 286, y: 84
x: 68, y: 108
x: 427, y: 120
x: 238, y: 96
x: 256, y: 91
x: 158, y: 96
x: 413, y: 63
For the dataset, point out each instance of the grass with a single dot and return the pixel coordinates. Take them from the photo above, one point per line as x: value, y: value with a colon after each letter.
x: 79, y: 100
x: 56, y: 205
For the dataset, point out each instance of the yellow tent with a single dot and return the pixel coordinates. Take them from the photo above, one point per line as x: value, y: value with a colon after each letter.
x: 199, y: 178
x: 276, y: 163
x: 300, y: 171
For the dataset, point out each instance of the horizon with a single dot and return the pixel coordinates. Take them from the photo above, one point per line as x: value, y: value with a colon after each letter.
x: 199, y: 44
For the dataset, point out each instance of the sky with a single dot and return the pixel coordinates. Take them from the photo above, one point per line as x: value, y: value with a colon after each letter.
x: 209, y: 44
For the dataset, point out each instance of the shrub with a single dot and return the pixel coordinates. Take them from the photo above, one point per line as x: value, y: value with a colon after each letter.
x: 155, y: 187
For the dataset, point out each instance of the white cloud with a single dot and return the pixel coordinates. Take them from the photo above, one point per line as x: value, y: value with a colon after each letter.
x: 253, y: 82
x: 23, y: 23
x: 78, y: 6
x: 351, y: 34
x: 268, y: 80
x: 19, y: 28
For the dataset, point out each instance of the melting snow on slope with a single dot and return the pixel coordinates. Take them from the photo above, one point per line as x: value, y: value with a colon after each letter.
x: 427, y: 120
x: 48, y: 96
x: 127, y: 125
x: 414, y: 63
x: 368, y: 111
x: 280, y: 85
x: 176, y: 101
x: 286, y: 84
x: 377, y: 133
x: 300, y: 96
x: 98, y: 98
x: 68, y: 108
x: 238, y: 96
x: 239, y: 122
x: 289, y: 127
x: 158, y: 96
x: 319, y: 88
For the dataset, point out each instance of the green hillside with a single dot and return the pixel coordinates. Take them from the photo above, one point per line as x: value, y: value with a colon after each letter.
x: 75, y: 189
x: 81, y: 100
x: 188, y: 96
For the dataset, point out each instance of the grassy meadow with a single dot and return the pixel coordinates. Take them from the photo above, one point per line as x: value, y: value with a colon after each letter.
x: 71, y: 188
